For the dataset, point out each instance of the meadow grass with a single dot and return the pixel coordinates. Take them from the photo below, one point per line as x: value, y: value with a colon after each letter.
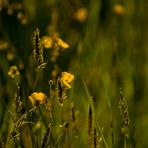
x: 73, y: 74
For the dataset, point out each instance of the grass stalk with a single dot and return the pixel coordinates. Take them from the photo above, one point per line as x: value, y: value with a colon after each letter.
x: 111, y: 122
x: 125, y: 142
x: 101, y: 133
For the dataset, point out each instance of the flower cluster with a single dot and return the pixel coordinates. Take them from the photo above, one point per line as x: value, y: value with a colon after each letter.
x: 49, y: 42
x: 56, y: 43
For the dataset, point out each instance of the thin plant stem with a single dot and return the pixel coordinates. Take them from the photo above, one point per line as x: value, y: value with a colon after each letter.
x: 103, y: 138
x: 36, y: 79
x: 111, y: 122
x: 125, y: 144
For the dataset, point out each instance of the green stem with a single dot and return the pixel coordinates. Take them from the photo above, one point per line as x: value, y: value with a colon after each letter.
x: 111, y: 122
x: 100, y: 130
x: 36, y: 79
x: 86, y: 90
x: 103, y: 138
x: 125, y: 142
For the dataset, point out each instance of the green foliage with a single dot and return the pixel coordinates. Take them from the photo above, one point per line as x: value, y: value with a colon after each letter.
x: 103, y: 44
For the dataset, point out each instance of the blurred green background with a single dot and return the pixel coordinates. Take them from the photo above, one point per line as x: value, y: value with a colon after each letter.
x: 108, y: 42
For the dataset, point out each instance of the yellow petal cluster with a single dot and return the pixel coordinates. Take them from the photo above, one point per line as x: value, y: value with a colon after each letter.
x: 13, y: 72
x: 66, y: 79
x: 47, y: 41
x: 37, y: 98
x: 62, y: 44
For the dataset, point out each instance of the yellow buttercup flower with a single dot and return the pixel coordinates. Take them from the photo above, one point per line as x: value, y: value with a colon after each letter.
x: 62, y: 44
x: 81, y: 14
x: 13, y: 72
x: 66, y: 79
x: 119, y: 9
x: 37, y: 98
x: 47, y: 41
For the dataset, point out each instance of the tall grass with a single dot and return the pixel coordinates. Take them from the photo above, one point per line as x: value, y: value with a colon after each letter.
x: 102, y: 45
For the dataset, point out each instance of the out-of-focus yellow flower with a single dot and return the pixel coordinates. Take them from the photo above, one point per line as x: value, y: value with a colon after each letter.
x: 47, y: 41
x: 21, y: 65
x: 62, y: 44
x: 20, y: 15
x: 10, y: 11
x: 66, y: 79
x: 13, y: 72
x: 37, y: 98
x: 10, y: 55
x: 3, y: 44
x: 24, y: 21
x: 119, y: 9
x: 59, y: 41
x: 81, y: 15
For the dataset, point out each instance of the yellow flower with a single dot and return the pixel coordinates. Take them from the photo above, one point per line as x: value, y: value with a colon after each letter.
x: 62, y: 44
x: 10, y: 55
x: 37, y: 98
x: 119, y: 9
x: 3, y: 44
x: 47, y: 41
x: 81, y: 14
x: 66, y: 79
x: 13, y: 72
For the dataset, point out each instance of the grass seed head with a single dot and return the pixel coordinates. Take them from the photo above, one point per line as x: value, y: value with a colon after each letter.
x: 125, y: 115
x: 38, y: 50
